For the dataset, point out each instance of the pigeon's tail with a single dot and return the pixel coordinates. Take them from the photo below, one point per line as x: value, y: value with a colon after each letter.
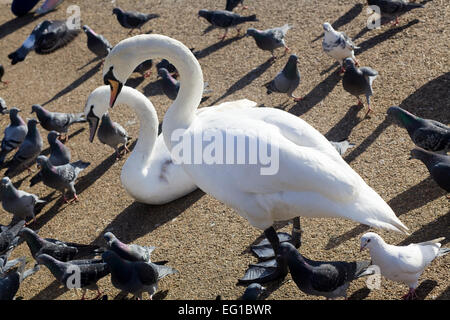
x: 164, y: 270
x: 80, y: 165
x: 412, y: 5
x: 443, y: 251
x: 151, y: 16
x: 437, y: 240
x: 286, y: 27
x: 249, y: 18
x: 30, y: 272
x: 361, y: 268
x: 77, y: 118
x: 40, y: 204
x: 87, y: 250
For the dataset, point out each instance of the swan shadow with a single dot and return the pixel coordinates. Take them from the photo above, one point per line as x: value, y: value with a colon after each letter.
x: 18, y: 23
x: 344, y: 127
x: 215, y: 47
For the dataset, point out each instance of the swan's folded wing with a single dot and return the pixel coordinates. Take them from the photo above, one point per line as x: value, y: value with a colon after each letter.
x: 229, y: 106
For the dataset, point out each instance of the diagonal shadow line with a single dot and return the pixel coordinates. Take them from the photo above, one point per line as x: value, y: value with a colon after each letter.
x: 424, y: 289
x: 18, y: 23
x: 215, y: 47
x: 444, y: 295
x: 344, y: 127
x: 413, y: 198
x: 89, y: 62
x: 55, y: 289
x: 245, y: 80
x: 134, y: 82
x: 345, y: 18
x: 433, y: 230
x: 78, y: 82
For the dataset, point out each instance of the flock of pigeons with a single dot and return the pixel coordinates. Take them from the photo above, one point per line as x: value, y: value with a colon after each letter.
x: 130, y: 266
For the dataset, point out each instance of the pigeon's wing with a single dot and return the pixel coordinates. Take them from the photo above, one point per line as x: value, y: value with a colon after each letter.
x: 66, y: 172
x: 348, y: 42
x: 55, y: 36
x: 439, y: 125
x: 415, y: 257
x: 120, y: 130
x: 147, y: 273
x: 326, y: 277
x: 441, y: 174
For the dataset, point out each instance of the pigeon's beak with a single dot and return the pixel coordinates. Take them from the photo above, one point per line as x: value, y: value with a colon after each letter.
x: 116, y: 87
x: 363, y: 246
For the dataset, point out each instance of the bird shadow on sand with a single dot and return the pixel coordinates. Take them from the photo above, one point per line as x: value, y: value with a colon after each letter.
x: 153, y: 89
x: 75, y: 84
x: 413, y: 198
x: 444, y: 295
x: 360, y: 294
x: 215, y: 47
x: 19, y: 22
x: 134, y: 82
x: 433, y: 230
x: 424, y: 289
x: 344, y: 127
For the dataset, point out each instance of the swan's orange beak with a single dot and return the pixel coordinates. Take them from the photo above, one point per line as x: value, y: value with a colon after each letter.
x: 116, y: 87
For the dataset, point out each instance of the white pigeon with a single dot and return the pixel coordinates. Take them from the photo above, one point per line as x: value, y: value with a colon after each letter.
x: 402, y: 263
x: 338, y: 45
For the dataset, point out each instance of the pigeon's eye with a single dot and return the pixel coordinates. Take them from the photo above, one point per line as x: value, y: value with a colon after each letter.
x: 368, y: 240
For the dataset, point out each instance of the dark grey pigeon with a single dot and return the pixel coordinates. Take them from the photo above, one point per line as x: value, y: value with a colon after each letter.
x: 270, y: 39
x: 59, y: 153
x: 60, y: 250
x: 394, y: 8
x: 231, y: 4
x: 145, y: 68
x: 9, y: 238
x: 10, y: 283
x: 287, y: 80
x: 28, y: 151
x: 135, y: 277
x: 14, y: 134
x: 89, y: 272
x: 358, y: 81
x: 130, y: 252
x: 132, y: 19
x: 45, y: 38
x: 342, y: 146
x: 2, y: 73
x: 18, y: 202
x: 63, y: 177
x: 57, y: 121
x: 113, y: 134
x: 97, y: 43
x: 329, y: 279
x: 427, y: 134
x: 437, y: 164
x: 253, y: 292
x: 225, y: 19
x: 171, y: 86
x: 3, y: 107
x: 167, y: 65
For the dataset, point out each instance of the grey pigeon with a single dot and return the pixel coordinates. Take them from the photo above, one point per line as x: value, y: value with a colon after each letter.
x: 45, y: 38
x: 3, y: 106
x: 63, y: 177
x: 438, y: 166
x: 225, y: 19
x: 171, y: 86
x: 231, y: 4
x: 167, y: 65
x: 14, y: 135
x: 338, y: 45
x: 10, y: 283
x: 59, y: 153
x: 358, y: 81
x: 393, y: 8
x: 270, y: 39
x: 48, y: 5
x: 9, y: 238
x: 60, y: 250
x: 130, y: 252
x: 30, y: 148
x: 132, y: 19
x: 253, y: 292
x: 2, y: 73
x: 427, y: 134
x: 287, y: 80
x: 145, y: 68
x: 135, y: 277
x: 18, y: 202
x: 88, y: 272
x: 329, y: 279
x: 113, y: 134
x: 97, y: 43
x: 57, y: 121
x: 342, y: 146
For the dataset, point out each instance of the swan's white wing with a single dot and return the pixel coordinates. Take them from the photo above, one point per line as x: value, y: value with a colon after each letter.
x: 228, y: 106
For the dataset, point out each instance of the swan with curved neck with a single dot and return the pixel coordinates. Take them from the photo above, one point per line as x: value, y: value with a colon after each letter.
x: 312, y: 179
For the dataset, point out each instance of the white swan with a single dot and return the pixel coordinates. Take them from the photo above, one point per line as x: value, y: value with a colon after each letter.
x: 148, y: 175
x: 312, y: 180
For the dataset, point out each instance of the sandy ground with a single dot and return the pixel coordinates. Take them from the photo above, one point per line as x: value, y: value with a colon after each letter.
x: 201, y: 237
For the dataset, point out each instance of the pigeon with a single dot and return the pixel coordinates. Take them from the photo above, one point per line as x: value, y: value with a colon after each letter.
x: 135, y: 277
x: 231, y: 4
x: 253, y: 292
x: 48, y: 5
x: 88, y: 272
x: 9, y: 238
x: 3, y: 106
x: 329, y: 279
x: 59, y: 153
x: 132, y: 19
x: 60, y: 250
x: 225, y: 19
x: 97, y: 43
x: 402, y: 263
x: 57, y: 121
x: 14, y: 134
x: 46, y: 37
x: 2, y: 73
x: 358, y: 81
x: 145, y: 68
x: 270, y: 39
x: 18, y: 202
x: 338, y: 45
x: 10, y: 283
x: 342, y: 146
x: 113, y: 134
x: 130, y: 252
x: 28, y: 151
x: 171, y: 86
x: 21, y: 7
x: 63, y: 177
x: 168, y: 66
x: 437, y: 164
x: 427, y: 134
x: 287, y: 80
x: 393, y: 8
x: 5, y: 265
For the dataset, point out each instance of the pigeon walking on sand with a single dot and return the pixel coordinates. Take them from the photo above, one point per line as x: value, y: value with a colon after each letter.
x: 394, y: 8
x: 402, y: 263
x: 338, y: 45
x: 97, y: 43
x: 168, y: 66
x: 171, y: 86
x: 18, y: 202
x: 145, y: 68
x: 57, y: 121
x: 231, y: 4
x: 130, y: 252
x: 113, y: 134
x: 10, y: 283
x: 14, y: 134
x: 329, y: 279
x: 427, y: 134
x: 287, y: 80
x: 358, y: 81
x: 9, y: 237
x: 61, y: 178
x: 270, y: 39
x: 438, y: 166
x: 135, y: 277
x: 225, y: 19
x: 132, y: 19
